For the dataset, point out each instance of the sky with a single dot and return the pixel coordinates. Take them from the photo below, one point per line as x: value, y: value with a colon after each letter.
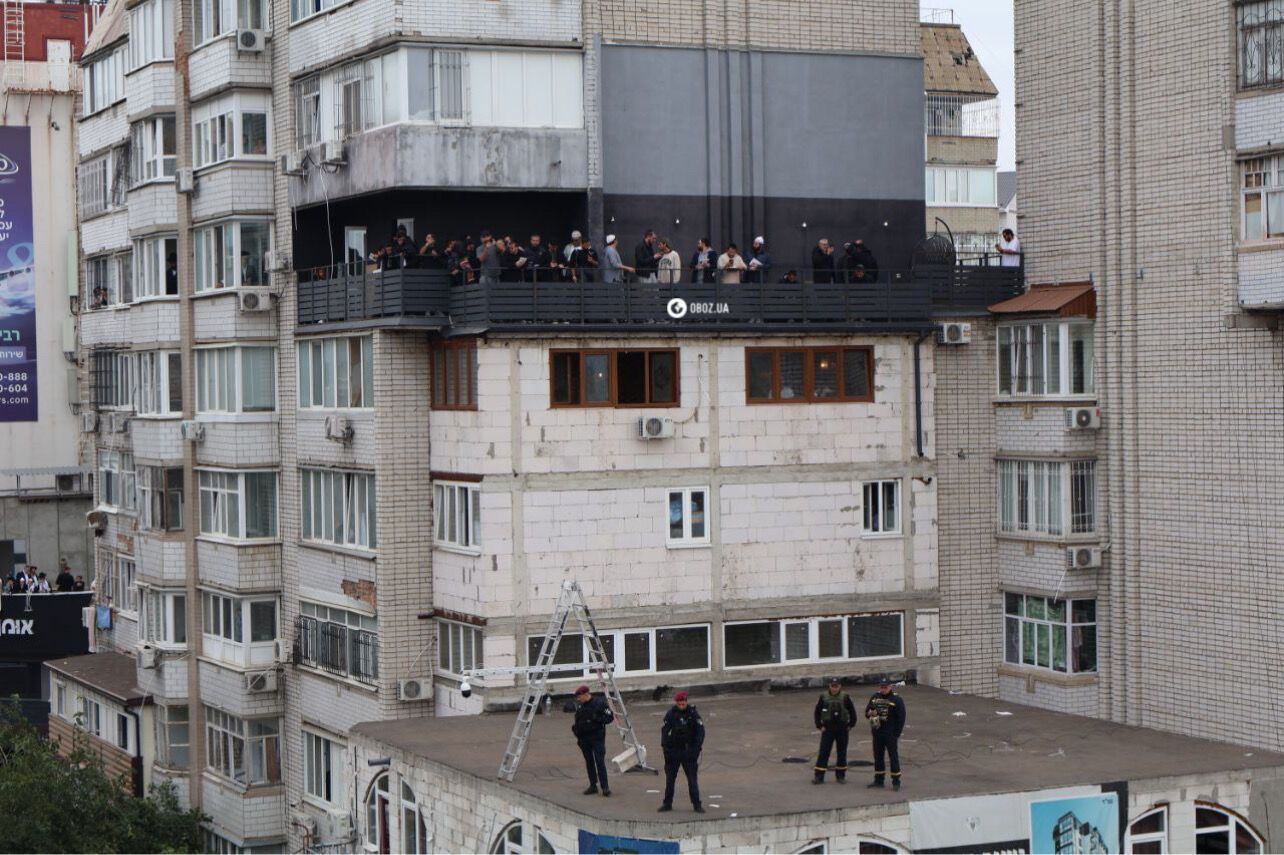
x: 988, y: 27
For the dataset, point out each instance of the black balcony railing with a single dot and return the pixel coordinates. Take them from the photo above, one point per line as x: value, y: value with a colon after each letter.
x: 895, y: 299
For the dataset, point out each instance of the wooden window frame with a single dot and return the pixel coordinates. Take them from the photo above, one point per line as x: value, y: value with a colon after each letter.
x: 440, y: 351
x: 809, y: 378
x: 613, y: 388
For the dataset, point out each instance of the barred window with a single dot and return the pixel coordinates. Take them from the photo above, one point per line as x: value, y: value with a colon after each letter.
x: 339, y: 641
x: 1047, y: 497
x: 113, y: 376
x: 307, y: 109
x: 95, y: 186
x: 1261, y: 43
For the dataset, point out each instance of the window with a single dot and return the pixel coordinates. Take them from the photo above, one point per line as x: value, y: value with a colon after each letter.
x: 448, y: 70
x: 377, y: 822
x: 961, y: 116
x: 122, y: 731
x: 882, y: 503
x: 619, y: 378
x: 151, y: 32
x: 1046, y: 359
x: 160, y: 498
x: 218, y: 845
x: 1219, y: 830
x: 1047, y: 497
x: 454, y: 376
x: 688, y: 522
x: 549, y: 84
x: 105, y: 81
x: 822, y: 639
x: 239, y: 630
x: 236, y: 380
x: 231, y: 255
x: 809, y: 375
x: 339, y: 641
x: 956, y: 185
x: 458, y: 509
x: 117, y: 486
x: 353, y: 89
x: 522, y: 837
x: 164, y: 617
x: 339, y: 507
x: 646, y: 650
x: 151, y: 150
x: 1263, y: 195
x: 173, y: 736
x: 1057, y: 635
x: 239, y: 505
x: 1261, y: 43
x: 247, y: 751
x: 307, y: 108
x: 459, y: 647
x: 213, y: 18
x: 60, y: 698
x: 94, y: 184
x: 322, y: 766
x: 231, y: 126
x: 336, y: 373
x: 1148, y: 833
x: 414, y: 828
x: 160, y: 383
x: 112, y: 378
x: 91, y: 716
x: 156, y: 267
x: 120, y: 583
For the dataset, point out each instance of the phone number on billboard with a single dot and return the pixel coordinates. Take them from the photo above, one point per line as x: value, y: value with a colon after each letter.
x: 14, y: 387
x: 14, y: 377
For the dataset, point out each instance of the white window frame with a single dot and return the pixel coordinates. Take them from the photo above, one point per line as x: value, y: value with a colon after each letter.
x: 218, y: 519
x: 307, y: 111
x: 156, y: 373
x: 456, y: 520
x: 168, y: 729
x: 155, y: 511
x: 1148, y: 837
x: 874, y: 518
x: 617, y: 645
x: 223, y: 729
x: 530, y: 839
x: 162, y: 613
x: 813, y: 639
x: 220, y: 379
x: 687, y: 540
x: 952, y: 187
x: 1029, y: 350
x: 148, y: 159
x: 1262, y: 178
x: 1068, y: 625
x: 151, y: 271
x: 91, y: 716
x: 332, y: 633
x: 415, y: 838
x: 218, y: 128
x: 60, y: 698
x: 339, y: 508
x: 459, y: 647
x: 216, y: 253
x: 1231, y: 826
x: 1060, y: 498
x: 94, y: 183
x: 227, y: 628
x: 117, y: 480
x: 322, y: 768
x: 151, y: 33
x: 214, y: 18
x: 328, y: 373
x: 105, y: 81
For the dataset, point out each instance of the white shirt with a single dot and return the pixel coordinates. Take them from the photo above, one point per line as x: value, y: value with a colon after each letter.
x: 1011, y: 252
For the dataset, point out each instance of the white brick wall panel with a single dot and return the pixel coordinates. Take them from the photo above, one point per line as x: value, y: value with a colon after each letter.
x: 1076, y: 700
x: 162, y: 557
x: 344, y: 31
x: 224, y: 687
x: 105, y: 326
x: 317, y: 450
x: 156, y: 441
x: 555, y: 21
x: 168, y: 680
x: 153, y: 322
x: 150, y: 90
x: 1259, y: 121
x: 327, y: 569
x: 1261, y: 278
x: 105, y: 233
x: 218, y: 318
x: 153, y: 208
x: 242, y: 569
x: 240, y: 815
x: 1041, y: 430
x: 102, y: 130
x: 232, y: 188
x: 239, y: 444
x: 332, y: 704
x: 218, y: 65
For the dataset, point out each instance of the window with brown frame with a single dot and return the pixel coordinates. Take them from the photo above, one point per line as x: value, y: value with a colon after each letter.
x: 614, y: 378
x: 809, y: 375
x: 454, y: 375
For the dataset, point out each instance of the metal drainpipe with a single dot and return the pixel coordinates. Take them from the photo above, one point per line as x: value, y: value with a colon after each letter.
x: 918, y: 388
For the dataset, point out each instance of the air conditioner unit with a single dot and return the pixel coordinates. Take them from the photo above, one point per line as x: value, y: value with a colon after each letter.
x: 284, y: 652
x: 250, y: 41
x: 185, y: 181
x: 97, y: 520
x: 338, y: 428
x: 332, y: 153
x: 147, y: 657
x: 413, y: 689
x: 956, y: 334
x: 305, y: 821
x: 67, y: 483
x: 260, y: 681
x: 88, y: 422
x: 119, y: 422
x: 338, y: 826
x: 255, y: 301
x: 655, y: 427
x: 1083, y: 418
x: 1083, y: 557
x: 192, y: 431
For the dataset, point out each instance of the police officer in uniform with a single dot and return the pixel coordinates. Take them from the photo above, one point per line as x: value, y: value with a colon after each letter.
x: 886, y: 714
x: 835, y: 716
x: 682, y: 737
x: 592, y: 715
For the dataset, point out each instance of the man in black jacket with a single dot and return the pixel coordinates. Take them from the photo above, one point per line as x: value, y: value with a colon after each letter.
x: 704, y: 262
x: 682, y: 738
x: 835, y: 716
x: 822, y: 262
x: 866, y: 260
x: 886, y: 714
x: 646, y: 258
x: 592, y: 715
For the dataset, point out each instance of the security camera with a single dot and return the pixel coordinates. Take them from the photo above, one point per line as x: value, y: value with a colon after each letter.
x: 466, y: 688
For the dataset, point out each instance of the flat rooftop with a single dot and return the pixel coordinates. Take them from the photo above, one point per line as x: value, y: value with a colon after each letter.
x: 953, y: 745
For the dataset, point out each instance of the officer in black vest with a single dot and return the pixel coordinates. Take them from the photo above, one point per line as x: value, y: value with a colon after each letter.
x: 835, y: 717
x: 592, y: 715
x: 682, y: 737
x: 886, y: 714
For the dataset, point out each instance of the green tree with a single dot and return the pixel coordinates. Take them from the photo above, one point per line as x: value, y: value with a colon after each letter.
x: 53, y: 803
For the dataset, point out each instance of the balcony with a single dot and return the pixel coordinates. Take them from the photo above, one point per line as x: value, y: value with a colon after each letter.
x: 427, y: 299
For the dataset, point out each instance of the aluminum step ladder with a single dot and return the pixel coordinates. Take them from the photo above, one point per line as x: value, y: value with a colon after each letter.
x: 570, y: 603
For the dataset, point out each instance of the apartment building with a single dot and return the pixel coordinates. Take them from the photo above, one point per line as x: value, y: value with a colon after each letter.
x: 961, y: 119
x: 1148, y: 210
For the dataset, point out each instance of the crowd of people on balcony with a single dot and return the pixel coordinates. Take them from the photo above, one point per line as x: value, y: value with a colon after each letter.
x: 30, y: 579
x: 501, y: 258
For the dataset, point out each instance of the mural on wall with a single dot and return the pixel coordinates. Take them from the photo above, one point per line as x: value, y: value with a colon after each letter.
x: 1087, y: 825
x: 17, y: 279
x: 592, y: 843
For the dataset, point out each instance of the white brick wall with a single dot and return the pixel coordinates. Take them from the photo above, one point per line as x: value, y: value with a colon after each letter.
x: 156, y: 440
x: 153, y: 208
x: 218, y: 65
x: 1259, y: 120
x: 162, y: 557
x: 238, y: 443
x: 217, y: 317
x: 167, y: 681
x: 235, y: 187
x: 1261, y: 278
x: 224, y: 687
x: 153, y: 322
x: 105, y: 233
x: 238, y: 568
x: 150, y: 90
x: 244, y: 816
x: 102, y: 130
x: 105, y: 326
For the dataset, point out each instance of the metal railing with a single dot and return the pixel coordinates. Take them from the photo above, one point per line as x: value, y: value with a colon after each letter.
x: 960, y: 116
x: 337, y: 648
x: 935, y: 16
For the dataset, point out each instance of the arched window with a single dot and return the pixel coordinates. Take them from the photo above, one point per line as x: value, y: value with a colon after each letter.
x: 414, y: 829
x: 377, y: 799
x: 522, y: 837
x: 1221, y: 831
x: 874, y: 846
x: 1148, y: 833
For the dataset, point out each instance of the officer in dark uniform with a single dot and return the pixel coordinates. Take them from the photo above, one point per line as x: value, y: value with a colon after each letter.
x: 835, y: 716
x: 682, y: 737
x: 592, y: 715
x: 886, y: 714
